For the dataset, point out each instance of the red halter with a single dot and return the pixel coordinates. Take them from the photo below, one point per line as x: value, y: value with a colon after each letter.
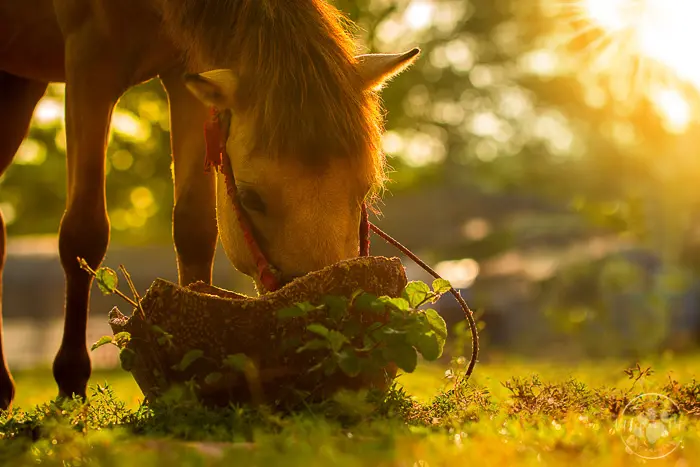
x: 216, y: 134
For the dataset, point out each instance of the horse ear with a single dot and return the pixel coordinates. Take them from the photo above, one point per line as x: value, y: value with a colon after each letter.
x: 214, y: 88
x: 377, y: 69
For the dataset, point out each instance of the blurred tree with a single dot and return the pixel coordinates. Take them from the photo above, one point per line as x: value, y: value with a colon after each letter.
x: 139, y: 186
x: 499, y: 102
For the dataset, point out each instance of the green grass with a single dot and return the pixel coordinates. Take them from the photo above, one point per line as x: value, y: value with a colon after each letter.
x: 554, y: 414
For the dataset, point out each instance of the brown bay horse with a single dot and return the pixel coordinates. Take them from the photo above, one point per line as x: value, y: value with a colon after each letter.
x: 304, y: 135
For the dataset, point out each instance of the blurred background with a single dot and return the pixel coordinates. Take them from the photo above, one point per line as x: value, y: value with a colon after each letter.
x: 545, y: 160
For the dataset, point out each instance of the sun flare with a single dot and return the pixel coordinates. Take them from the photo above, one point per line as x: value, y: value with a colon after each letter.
x: 609, y: 14
x: 643, y: 47
x: 666, y: 31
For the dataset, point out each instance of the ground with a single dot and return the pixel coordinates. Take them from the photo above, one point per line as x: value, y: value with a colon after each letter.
x: 553, y: 414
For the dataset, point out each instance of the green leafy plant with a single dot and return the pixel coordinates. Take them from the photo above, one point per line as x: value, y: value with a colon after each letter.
x: 108, y: 282
x: 365, y: 333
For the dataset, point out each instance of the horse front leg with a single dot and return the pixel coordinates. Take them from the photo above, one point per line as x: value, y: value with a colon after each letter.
x: 18, y: 97
x: 92, y: 91
x: 194, y: 215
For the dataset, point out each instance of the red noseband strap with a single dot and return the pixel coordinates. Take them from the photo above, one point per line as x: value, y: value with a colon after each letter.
x: 215, y: 134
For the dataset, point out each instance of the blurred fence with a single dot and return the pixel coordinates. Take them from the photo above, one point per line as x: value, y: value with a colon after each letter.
x: 550, y: 291
x: 34, y: 294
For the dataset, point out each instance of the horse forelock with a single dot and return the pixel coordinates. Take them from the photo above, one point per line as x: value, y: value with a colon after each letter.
x: 298, y: 82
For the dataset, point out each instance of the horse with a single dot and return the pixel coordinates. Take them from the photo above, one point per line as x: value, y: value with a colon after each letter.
x: 304, y: 134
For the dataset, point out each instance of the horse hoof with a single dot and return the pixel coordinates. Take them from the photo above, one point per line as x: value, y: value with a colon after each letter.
x: 71, y: 370
x: 6, y: 402
x: 7, y: 393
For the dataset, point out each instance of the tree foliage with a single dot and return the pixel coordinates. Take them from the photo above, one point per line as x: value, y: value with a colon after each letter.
x: 481, y: 109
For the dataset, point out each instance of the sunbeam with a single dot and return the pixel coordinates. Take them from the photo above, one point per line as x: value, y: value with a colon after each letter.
x: 641, y: 48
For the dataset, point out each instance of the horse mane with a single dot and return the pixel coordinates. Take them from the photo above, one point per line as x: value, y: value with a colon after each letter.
x: 298, y: 80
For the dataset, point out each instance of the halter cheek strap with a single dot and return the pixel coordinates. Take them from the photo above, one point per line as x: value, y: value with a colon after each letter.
x: 215, y: 134
x: 216, y: 158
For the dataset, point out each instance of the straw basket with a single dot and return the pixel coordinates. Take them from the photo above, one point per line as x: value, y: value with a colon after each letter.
x: 218, y: 323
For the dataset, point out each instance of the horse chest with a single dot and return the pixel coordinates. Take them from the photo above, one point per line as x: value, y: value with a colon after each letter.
x: 31, y: 44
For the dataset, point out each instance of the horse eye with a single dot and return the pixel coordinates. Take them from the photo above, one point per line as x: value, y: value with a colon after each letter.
x: 251, y: 200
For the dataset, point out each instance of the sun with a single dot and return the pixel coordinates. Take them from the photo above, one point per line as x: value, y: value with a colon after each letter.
x: 666, y: 31
x: 612, y: 15
x: 645, y: 47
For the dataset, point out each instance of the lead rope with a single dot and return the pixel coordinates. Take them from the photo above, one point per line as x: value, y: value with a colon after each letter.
x: 216, y: 150
x: 465, y: 308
